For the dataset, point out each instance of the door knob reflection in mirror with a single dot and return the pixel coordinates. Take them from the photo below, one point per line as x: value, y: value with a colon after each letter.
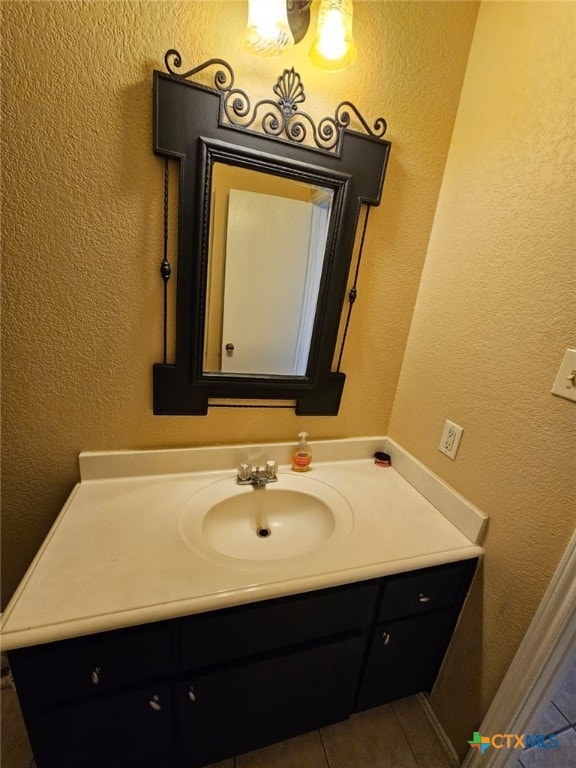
x: 229, y: 349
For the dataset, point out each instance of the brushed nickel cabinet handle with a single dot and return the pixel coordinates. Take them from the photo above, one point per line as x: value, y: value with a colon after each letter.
x: 155, y: 702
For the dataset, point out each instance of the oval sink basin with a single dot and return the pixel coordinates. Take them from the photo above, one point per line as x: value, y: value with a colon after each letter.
x: 294, y: 517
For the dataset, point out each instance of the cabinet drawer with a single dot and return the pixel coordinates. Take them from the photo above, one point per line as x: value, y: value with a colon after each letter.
x: 64, y: 670
x: 267, y: 626
x: 422, y: 591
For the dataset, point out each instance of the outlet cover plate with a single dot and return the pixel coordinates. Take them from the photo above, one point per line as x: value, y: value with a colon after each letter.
x: 565, y: 384
x: 450, y: 439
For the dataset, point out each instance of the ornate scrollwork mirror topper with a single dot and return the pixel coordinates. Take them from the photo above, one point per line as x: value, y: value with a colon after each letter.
x: 280, y: 118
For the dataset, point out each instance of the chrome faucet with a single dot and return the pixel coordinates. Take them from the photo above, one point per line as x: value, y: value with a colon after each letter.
x: 248, y: 475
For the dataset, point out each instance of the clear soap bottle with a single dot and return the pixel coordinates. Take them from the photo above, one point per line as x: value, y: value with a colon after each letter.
x: 302, y: 455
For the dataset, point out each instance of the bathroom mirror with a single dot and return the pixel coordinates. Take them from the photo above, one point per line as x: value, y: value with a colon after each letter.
x: 280, y: 278
x: 269, y: 203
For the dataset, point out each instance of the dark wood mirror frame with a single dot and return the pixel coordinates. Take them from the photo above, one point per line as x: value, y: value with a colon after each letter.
x: 198, y: 126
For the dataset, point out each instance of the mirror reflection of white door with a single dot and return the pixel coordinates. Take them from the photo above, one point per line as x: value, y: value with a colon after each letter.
x: 316, y: 250
x: 267, y: 254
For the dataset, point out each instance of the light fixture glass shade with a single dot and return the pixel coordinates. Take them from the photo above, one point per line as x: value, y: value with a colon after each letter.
x: 333, y: 47
x: 268, y: 32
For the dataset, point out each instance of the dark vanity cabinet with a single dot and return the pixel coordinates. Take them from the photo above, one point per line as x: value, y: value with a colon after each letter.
x: 414, y: 623
x: 196, y: 690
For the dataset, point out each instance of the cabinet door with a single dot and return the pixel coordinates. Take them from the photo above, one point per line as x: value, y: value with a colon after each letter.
x: 242, y: 708
x: 124, y: 730
x: 404, y: 658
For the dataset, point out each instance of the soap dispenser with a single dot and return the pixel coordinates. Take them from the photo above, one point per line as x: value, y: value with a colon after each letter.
x: 302, y: 455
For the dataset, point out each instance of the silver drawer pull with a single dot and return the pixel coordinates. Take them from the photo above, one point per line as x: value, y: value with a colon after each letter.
x: 155, y: 702
x: 424, y: 598
x: 191, y: 694
x: 96, y: 675
x: 386, y: 638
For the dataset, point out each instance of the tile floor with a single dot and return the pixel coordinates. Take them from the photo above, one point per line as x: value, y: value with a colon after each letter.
x: 557, y: 718
x: 398, y: 735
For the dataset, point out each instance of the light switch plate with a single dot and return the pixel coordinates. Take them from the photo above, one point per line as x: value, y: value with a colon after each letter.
x: 565, y: 384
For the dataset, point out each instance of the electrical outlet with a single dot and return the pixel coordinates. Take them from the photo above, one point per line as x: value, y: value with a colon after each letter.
x: 450, y: 439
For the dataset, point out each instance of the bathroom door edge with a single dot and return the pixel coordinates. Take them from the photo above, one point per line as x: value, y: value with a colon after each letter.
x: 545, y: 652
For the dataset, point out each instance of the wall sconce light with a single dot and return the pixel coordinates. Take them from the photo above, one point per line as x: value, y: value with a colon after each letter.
x: 333, y: 47
x: 268, y: 32
x: 274, y: 26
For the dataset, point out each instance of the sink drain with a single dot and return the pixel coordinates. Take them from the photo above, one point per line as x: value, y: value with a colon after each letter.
x: 263, y: 532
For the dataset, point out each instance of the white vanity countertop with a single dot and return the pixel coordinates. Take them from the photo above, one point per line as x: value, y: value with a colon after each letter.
x: 115, y: 556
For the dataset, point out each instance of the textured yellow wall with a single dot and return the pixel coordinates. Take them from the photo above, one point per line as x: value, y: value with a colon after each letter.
x: 82, y: 226
x: 495, y: 311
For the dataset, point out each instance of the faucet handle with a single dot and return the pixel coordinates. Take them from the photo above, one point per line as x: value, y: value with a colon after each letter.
x: 271, y: 469
x: 244, y: 471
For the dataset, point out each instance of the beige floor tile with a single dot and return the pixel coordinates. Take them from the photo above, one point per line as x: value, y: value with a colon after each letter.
x: 15, y: 749
x: 304, y: 751
x: 420, y: 734
x: 371, y: 739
